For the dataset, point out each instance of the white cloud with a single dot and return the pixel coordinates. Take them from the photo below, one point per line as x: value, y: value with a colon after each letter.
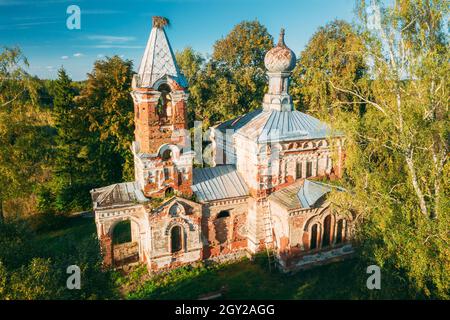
x: 100, y: 55
x: 65, y: 57
x: 78, y: 54
x: 101, y: 12
x: 105, y: 39
x: 110, y: 46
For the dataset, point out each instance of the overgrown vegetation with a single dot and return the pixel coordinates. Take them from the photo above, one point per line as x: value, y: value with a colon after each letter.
x: 386, y: 88
x: 34, y: 257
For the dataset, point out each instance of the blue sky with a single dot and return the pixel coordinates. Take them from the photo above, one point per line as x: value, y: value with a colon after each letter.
x: 122, y: 27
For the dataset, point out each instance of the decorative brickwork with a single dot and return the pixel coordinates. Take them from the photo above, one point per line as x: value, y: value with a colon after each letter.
x: 265, y: 199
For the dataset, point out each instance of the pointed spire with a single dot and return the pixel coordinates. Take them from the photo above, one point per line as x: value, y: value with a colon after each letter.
x: 158, y: 60
x: 281, y: 39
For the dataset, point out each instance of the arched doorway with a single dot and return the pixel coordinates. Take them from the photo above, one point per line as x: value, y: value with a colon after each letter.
x: 122, y: 232
x: 176, y: 240
x: 326, y: 238
x: 124, y: 242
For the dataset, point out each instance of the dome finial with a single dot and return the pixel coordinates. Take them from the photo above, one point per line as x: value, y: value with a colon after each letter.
x: 281, y: 39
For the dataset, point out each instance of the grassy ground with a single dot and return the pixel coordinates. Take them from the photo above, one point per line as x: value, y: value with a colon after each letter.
x: 250, y: 280
x: 244, y: 279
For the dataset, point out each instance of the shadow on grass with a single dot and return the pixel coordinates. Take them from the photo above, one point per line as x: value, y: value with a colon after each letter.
x: 252, y: 280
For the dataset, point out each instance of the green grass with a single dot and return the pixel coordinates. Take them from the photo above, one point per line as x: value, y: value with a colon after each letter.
x: 70, y: 227
x: 252, y: 280
x: 244, y: 279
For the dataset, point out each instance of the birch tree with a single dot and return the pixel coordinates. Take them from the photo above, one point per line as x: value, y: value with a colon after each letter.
x: 397, y: 151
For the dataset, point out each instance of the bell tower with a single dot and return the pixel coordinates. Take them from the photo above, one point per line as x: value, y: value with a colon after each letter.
x: 162, y: 159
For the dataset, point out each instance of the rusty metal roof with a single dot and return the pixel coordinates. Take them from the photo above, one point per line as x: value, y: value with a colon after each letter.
x: 221, y: 182
x: 118, y: 194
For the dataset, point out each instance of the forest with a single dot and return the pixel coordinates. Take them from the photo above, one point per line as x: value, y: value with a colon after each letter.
x: 385, y: 86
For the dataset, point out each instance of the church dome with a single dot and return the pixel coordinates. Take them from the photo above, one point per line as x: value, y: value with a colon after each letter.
x: 280, y: 58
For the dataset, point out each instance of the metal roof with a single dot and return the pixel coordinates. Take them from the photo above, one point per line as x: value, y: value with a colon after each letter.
x: 287, y: 197
x: 273, y: 125
x: 117, y: 195
x: 310, y: 192
x: 217, y: 183
x: 238, y: 122
x: 159, y: 61
x: 303, y: 194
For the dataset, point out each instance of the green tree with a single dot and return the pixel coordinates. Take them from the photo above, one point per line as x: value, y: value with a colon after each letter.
x: 23, y: 134
x: 237, y: 66
x: 397, y: 168
x: 191, y: 64
x: 233, y: 81
x: 335, y: 54
x: 106, y: 105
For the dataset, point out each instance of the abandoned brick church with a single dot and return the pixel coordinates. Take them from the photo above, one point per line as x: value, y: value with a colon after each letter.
x: 261, y: 193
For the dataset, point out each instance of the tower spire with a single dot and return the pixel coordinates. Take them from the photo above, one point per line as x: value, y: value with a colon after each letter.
x: 158, y: 61
x: 281, y: 39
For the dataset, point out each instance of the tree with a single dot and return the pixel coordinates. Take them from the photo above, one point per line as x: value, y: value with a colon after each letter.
x: 233, y: 81
x: 397, y: 168
x: 191, y: 64
x: 238, y: 69
x: 245, y: 46
x: 334, y: 53
x: 23, y: 134
x: 106, y: 105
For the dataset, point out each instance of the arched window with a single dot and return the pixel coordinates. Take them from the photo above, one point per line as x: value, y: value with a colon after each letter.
x: 167, y: 154
x: 166, y: 173
x: 308, y: 169
x: 340, y: 231
x: 223, y: 214
x: 164, y: 107
x: 298, y: 170
x: 175, y: 239
x: 326, y: 238
x: 168, y: 192
x: 313, y: 242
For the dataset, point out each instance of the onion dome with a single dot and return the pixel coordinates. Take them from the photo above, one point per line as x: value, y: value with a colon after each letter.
x: 280, y: 58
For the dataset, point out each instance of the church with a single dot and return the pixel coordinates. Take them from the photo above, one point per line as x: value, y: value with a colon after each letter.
x: 264, y: 192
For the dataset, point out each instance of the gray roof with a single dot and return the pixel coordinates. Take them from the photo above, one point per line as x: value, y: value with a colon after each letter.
x: 311, y: 192
x: 119, y: 194
x: 287, y: 196
x: 158, y: 61
x: 221, y: 182
x: 303, y: 194
x: 238, y: 122
x: 271, y: 125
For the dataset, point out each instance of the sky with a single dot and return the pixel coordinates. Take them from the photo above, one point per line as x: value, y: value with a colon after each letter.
x: 122, y: 27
